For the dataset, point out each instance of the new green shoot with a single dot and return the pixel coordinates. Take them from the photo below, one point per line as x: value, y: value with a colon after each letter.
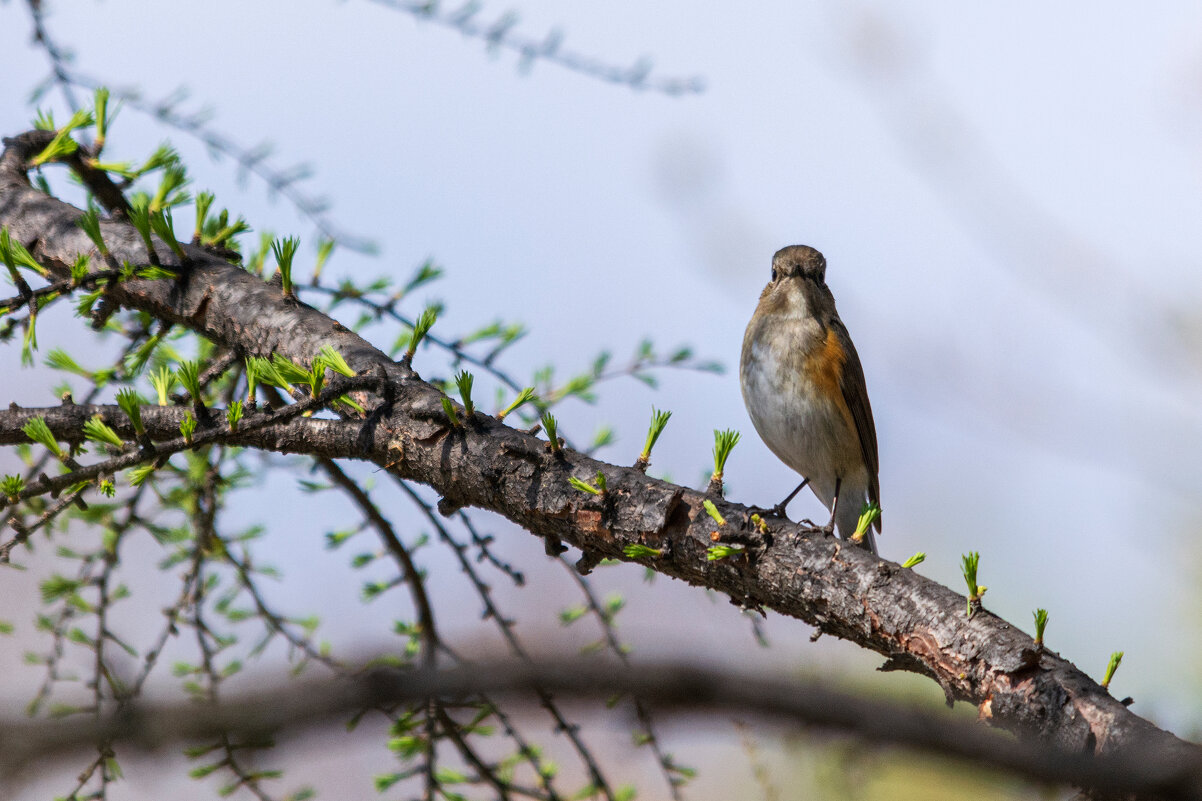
x: 203, y: 201
x: 140, y: 473
x: 162, y: 224
x: 724, y: 443
x: 11, y: 486
x: 584, y: 486
x: 284, y: 250
x: 139, y: 215
x: 233, y: 414
x: 868, y: 515
x: 79, y: 270
x: 131, y: 404
x: 96, y: 430
x: 324, y: 248
x: 968, y: 566
x: 170, y: 192
x: 62, y: 145
x: 551, y: 426
x: 713, y: 512
x: 449, y: 408
x: 163, y: 380
x: 523, y: 397
x: 89, y: 221
x: 189, y: 376
x: 716, y: 552
x: 658, y: 421
x: 101, y: 104
x: 37, y: 430
x: 289, y: 371
x: 187, y: 426
x: 463, y: 380
x: 334, y: 361
x: 421, y: 327
x: 1041, y: 624
x: 15, y: 255
x: 1116, y: 659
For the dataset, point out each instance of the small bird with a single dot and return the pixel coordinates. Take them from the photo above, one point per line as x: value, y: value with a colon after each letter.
x: 804, y: 390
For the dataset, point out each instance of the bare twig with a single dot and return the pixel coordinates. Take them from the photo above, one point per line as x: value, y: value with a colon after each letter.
x: 500, y: 34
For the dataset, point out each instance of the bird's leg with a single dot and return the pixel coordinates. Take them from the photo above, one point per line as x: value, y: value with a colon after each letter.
x: 829, y: 528
x: 779, y: 509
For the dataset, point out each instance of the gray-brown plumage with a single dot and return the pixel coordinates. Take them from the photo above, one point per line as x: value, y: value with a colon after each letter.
x: 804, y: 389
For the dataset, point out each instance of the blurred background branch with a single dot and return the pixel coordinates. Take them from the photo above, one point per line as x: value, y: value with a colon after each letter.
x: 667, y: 687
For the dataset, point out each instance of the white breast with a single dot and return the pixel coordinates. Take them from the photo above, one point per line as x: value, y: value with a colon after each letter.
x: 805, y: 430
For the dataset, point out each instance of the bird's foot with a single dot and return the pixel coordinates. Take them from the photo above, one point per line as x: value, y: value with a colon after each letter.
x: 827, y: 531
x: 777, y: 511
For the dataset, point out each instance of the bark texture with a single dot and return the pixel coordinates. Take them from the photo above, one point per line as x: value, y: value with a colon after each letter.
x: 915, y: 623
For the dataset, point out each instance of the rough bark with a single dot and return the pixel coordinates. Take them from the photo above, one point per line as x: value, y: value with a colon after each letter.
x: 917, y: 624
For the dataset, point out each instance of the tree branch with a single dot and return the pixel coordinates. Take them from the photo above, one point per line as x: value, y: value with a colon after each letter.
x: 917, y: 624
x: 666, y: 687
x: 500, y: 34
x: 282, y: 430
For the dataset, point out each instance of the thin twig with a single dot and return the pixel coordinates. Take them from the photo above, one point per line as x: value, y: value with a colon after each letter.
x: 569, y: 730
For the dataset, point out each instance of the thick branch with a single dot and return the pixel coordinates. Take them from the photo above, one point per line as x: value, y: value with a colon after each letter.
x: 277, y: 430
x: 281, y: 432
x: 918, y: 624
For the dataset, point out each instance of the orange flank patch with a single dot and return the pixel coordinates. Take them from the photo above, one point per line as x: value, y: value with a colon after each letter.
x: 824, y: 366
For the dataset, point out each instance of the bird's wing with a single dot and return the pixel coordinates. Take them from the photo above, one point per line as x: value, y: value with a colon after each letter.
x: 855, y: 395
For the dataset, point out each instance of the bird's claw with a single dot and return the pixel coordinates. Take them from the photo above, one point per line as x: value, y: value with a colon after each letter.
x: 777, y: 511
x: 827, y: 531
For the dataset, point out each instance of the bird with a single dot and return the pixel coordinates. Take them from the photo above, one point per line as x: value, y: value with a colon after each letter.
x: 803, y: 386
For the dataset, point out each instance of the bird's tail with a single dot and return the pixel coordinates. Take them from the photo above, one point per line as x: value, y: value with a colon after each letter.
x: 847, y: 516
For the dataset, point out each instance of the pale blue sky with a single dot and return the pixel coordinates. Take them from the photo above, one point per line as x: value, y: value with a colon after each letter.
x: 1008, y: 199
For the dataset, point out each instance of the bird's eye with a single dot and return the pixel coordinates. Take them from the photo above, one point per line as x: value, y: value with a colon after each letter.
x: 774, y: 273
